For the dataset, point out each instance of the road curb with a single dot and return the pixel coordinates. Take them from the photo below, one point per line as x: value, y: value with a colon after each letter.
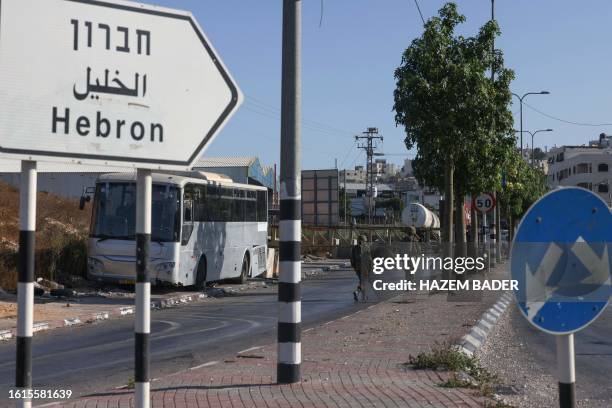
x: 476, y: 337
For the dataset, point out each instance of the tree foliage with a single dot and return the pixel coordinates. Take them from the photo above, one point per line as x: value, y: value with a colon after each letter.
x: 524, y: 185
x: 455, y: 115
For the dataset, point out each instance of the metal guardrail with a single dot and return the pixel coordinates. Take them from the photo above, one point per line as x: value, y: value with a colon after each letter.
x: 346, y: 235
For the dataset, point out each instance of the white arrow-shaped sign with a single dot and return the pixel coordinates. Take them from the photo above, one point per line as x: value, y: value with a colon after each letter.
x: 598, y: 267
x: 113, y: 82
x: 537, y: 292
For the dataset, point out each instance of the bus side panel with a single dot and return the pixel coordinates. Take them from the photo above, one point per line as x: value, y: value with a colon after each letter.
x: 208, y: 239
x: 224, y: 244
x: 236, y: 246
x: 188, y: 263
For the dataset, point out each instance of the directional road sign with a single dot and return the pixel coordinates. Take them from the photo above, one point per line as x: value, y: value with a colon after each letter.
x: 110, y: 81
x: 560, y: 258
x: 484, y: 202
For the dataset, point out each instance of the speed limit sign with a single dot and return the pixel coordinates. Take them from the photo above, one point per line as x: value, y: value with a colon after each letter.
x: 484, y: 203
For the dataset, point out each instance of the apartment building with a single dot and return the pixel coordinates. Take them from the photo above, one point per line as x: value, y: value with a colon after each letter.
x: 586, y: 166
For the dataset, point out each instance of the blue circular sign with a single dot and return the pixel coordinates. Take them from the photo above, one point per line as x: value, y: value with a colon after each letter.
x: 561, y: 260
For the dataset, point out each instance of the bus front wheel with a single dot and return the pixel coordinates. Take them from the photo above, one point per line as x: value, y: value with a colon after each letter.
x: 244, y: 270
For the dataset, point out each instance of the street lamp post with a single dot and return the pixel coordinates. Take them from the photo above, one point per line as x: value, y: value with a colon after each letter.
x: 520, y: 98
x: 532, y: 149
x: 532, y: 136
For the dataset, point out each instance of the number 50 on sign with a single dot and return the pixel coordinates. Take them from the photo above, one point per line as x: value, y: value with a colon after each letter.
x: 484, y: 203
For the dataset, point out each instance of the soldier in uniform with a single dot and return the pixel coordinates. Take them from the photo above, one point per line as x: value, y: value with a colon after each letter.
x: 361, y: 261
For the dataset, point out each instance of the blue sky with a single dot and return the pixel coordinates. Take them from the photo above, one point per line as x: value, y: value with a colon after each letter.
x: 560, y: 46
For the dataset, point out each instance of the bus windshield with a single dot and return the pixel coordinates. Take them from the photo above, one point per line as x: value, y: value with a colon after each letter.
x: 114, y: 212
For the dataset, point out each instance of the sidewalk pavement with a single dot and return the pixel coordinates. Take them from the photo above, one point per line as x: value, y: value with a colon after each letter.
x: 356, y: 361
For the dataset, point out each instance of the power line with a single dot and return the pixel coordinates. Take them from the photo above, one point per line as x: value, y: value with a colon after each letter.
x: 419, y: 8
x: 569, y: 122
x: 271, y: 114
x: 357, y: 156
x: 348, y: 152
x: 311, y: 123
x: 321, y: 19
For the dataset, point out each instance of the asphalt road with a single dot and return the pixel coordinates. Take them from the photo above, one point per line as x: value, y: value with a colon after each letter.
x: 98, y: 357
x: 593, y: 347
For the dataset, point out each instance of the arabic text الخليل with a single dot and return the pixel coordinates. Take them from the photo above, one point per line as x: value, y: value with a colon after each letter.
x: 112, y: 87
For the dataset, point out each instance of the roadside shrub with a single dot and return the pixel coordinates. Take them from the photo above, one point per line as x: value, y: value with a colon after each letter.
x: 450, y: 358
x: 8, y: 269
x: 61, y: 237
x: 63, y: 257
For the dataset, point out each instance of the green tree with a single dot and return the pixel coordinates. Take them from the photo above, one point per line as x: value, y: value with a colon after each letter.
x: 448, y: 105
x: 524, y: 186
x: 344, y: 202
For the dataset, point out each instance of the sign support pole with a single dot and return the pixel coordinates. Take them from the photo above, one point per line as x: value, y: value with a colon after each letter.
x: 143, y: 288
x: 485, y: 240
x: 290, y: 269
x: 493, y: 244
x: 25, y: 285
x: 567, y: 370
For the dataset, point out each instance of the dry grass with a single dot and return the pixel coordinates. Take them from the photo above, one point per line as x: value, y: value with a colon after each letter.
x: 61, y: 231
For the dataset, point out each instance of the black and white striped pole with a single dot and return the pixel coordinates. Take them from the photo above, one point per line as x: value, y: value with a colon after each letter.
x: 25, y: 284
x: 567, y: 370
x: 290, y: 270
x: 143, y: 288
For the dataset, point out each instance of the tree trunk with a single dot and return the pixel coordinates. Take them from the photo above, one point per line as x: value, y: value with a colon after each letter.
x: 498, y: 230
x: 474, y: 227
x: 460, y: 223
x: 448, y: 207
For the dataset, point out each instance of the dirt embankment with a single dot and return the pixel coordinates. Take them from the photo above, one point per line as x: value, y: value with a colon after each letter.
x: 61, y: 231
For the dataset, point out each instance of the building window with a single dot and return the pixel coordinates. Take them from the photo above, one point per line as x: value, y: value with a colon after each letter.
x: 602, y: 188
x: 602, y: 168
x: 588, y: 186
x: 583, y: 168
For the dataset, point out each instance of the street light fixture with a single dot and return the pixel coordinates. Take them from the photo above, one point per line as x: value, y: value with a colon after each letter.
x: 532, y: 151
x: 520, y: 98
x: 532, y: 135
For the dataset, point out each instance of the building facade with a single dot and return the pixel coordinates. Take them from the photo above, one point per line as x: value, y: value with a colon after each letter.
x: 586, y: 166
x: 70, y: 181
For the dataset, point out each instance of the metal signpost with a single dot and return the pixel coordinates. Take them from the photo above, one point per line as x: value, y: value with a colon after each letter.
x: 109, y: 83
x: 560, y: 258
x: 484, y: 203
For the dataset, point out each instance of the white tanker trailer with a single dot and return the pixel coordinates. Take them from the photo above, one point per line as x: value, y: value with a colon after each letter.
x: 418, y: 216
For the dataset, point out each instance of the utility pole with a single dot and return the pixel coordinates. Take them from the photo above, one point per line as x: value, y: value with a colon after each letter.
x: 345, y: 198
x: 290, y: 225
x: 369, y: 136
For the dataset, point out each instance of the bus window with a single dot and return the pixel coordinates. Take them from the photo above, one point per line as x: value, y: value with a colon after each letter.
x: 238, y: 205
x: 114, y: 212
x: 187, y: 221
x: 251, y: 206
x: 262, y: 206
